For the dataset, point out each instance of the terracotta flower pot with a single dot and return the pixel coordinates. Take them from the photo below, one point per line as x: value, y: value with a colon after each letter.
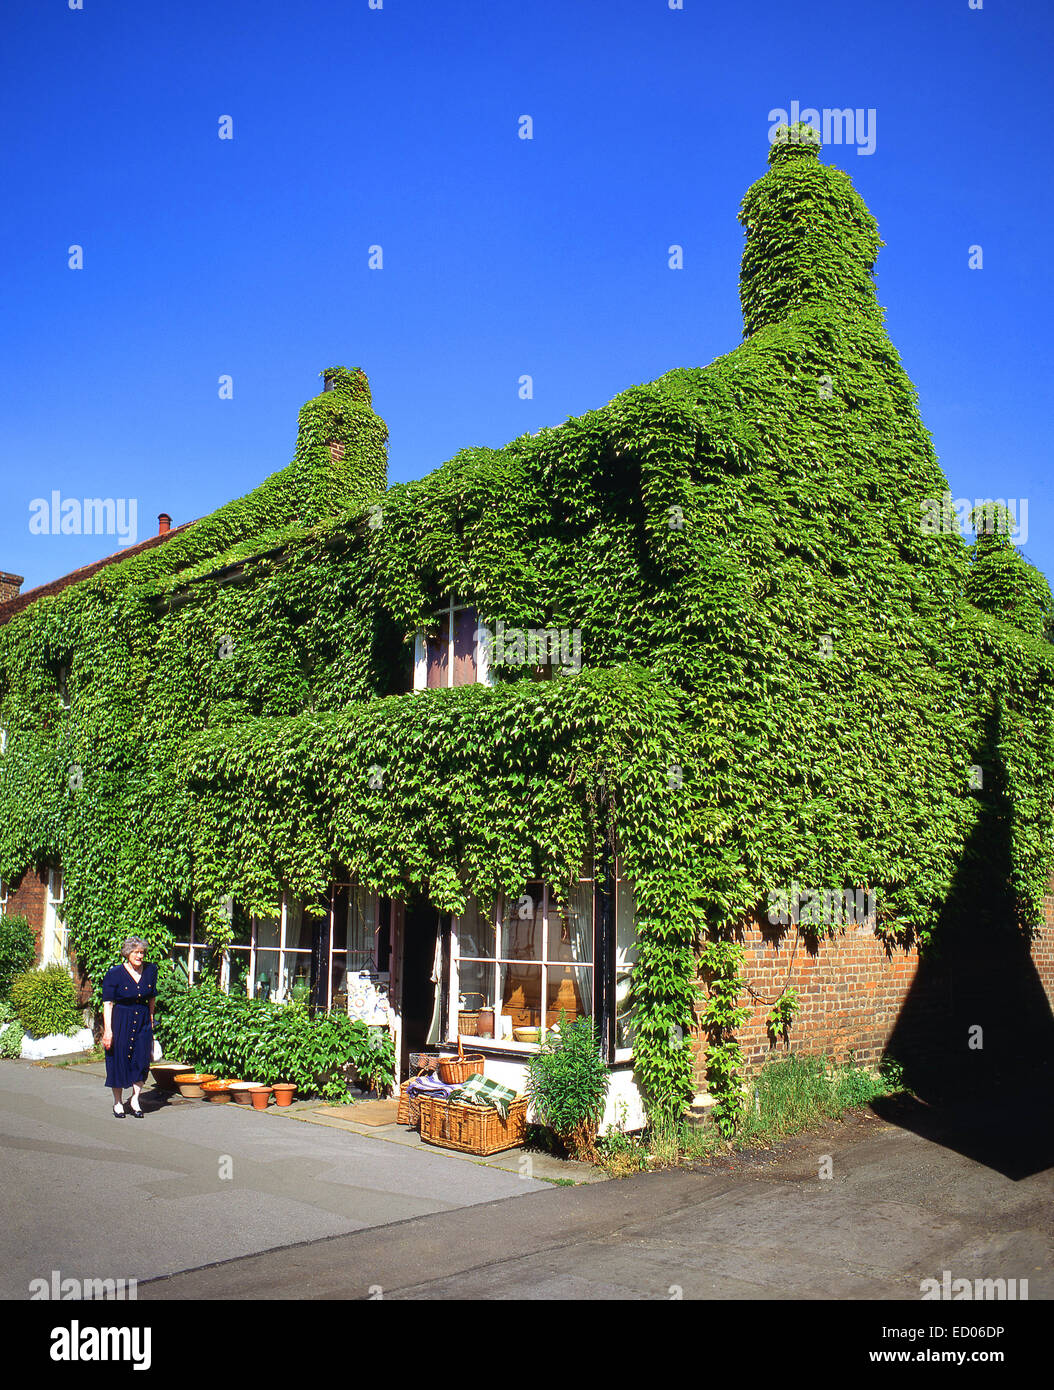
x: 241, y: 1092
x: 283, y: 1092
x: 191, y: 1082
x: 260, y: 1096
x: 218, y: 1092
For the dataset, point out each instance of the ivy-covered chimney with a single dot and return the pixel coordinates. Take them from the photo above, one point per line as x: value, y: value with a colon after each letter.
x: 342, y: 446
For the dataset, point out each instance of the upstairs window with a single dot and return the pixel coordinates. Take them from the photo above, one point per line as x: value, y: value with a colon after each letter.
x: 449, y: 652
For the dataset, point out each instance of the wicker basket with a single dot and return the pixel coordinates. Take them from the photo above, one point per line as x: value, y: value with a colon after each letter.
x: 409, y: 1112
x: 455, y: 1071
x: 472, y: 1129
x: 468, y: 1024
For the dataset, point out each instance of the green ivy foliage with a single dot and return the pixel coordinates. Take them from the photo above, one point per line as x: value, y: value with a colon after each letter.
x: 244, y: 1039
x: 785, y: 678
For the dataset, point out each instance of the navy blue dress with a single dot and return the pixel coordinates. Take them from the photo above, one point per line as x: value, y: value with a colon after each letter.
x: 129, y: 1057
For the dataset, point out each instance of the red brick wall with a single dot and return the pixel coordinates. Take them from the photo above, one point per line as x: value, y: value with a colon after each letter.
x: 855, y: 996
x: 29, y: 899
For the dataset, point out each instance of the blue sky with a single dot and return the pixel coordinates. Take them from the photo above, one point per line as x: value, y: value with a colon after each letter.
x: 502, y: 257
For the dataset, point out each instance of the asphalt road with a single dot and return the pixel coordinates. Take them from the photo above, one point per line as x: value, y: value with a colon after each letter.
x: 910, y: 1194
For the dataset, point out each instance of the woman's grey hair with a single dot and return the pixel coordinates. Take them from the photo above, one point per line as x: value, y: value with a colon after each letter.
x: 133, y: 943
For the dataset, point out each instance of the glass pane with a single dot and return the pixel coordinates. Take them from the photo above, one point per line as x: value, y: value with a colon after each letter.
x: 299, y: 928
x: 475, y: 931
x: 266, y: 982
x: 437, y: 644
x: 475, y: 986
x: 241, y: 927
x: 296, y: 975
x: 521, y: 995
x: 466, y: 624
x: 238, y: 970
x: 625, y: 958
x: 570, y: 992
x: 339, y: 977
x: 521, y: 926
x: 361, y: 930
x: 571, y: 931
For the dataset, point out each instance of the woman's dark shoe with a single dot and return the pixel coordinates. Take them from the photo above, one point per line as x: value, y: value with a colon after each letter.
x: 118, y: 1114
x: 137, y: 1113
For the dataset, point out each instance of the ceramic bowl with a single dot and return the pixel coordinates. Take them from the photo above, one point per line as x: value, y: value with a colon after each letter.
x: 165, y: 1073
x: 527, y: 1035
x: 191, y: 1082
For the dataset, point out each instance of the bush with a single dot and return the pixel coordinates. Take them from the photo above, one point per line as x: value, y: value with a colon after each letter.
x: 172, y: 984
x: 46, y: 1001
x: 17, y: 950
x: 11, y: 1039
x: 567, y: 1084
x: 255, y: 1040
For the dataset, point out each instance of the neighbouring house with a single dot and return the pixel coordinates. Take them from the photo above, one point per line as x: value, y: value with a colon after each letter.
x: 685, y: 715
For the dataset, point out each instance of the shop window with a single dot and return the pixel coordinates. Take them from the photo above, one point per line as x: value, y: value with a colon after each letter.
x: 282, y: 954
x: 449, y: 652
x: 527, y: 959
x: 189, y: 947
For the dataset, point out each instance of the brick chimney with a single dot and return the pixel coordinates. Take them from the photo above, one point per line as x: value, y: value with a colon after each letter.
x: 164, y: 523
x: 10, y: 586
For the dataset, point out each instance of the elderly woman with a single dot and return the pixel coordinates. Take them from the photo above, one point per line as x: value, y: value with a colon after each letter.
x: 128, y: 993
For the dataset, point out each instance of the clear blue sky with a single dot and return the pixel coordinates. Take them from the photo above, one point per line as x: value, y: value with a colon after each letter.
x: 502, y: 256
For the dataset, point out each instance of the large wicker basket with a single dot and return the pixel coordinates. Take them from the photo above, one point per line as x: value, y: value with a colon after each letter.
x: 473, y: 1129
x: 455, y: 1071
x: 409, y: 1107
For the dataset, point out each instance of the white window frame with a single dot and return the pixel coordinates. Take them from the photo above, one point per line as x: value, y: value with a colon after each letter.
x: 497, y: 961
x: 484, y: 675
x: 55, y: 947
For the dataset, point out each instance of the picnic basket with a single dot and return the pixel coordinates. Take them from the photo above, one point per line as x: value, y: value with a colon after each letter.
x: 472, y: 1129
x: 455, y: 1071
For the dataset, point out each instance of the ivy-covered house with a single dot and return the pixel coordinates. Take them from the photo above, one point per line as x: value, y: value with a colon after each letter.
x: 572, y: 727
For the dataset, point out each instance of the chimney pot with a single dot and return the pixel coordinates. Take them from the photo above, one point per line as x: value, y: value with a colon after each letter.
x: 164, y: 524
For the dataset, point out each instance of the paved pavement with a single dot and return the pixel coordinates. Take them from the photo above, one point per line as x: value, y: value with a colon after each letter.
x: 194, y: 1183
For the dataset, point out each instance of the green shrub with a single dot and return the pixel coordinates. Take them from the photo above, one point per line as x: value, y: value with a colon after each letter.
x: 46, y: 1001
x: 793, y: 1094
x: 567, y: 1084
x: 172, y: 984
x: 17, y: 950
x: 255, y: 1040
x: 11, y: 1039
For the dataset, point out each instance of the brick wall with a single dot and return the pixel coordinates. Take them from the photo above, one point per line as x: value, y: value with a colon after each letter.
x: 29, y: 898
x: 857, y: 996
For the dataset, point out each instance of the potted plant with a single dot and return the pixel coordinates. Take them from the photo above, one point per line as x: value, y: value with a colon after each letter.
x: 567, y: 1085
